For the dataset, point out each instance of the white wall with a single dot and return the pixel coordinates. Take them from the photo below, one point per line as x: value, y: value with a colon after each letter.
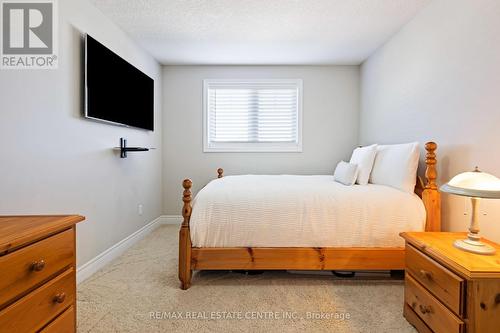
x: 330, y: 125
x: 52, y: 161
x: 439, y: 79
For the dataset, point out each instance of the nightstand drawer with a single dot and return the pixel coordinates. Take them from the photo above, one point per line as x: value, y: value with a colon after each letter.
x: 65, y: 323
x: 430, y: 310
x: 445, y: 285
x: 29, y: 266
x: 35, y: 310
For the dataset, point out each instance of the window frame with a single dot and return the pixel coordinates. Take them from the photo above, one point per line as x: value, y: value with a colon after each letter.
x: 254, y: 147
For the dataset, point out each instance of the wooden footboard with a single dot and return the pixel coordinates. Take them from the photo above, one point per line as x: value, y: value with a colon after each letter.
x: 308, y: 258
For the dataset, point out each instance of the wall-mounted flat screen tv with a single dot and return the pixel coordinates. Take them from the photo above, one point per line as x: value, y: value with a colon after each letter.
x: 116, y: 91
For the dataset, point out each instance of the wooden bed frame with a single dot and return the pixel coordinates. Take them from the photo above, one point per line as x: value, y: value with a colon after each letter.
x: 303, y: 258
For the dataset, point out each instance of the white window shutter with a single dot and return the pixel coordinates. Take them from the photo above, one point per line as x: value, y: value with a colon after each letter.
x: 257, y: 115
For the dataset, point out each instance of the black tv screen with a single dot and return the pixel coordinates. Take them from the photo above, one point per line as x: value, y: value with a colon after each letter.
x: 116, y: 91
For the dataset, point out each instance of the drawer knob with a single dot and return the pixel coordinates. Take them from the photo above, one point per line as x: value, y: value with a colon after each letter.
x: 426, y: 274
x: 59, y: 298
x: 425, y: 309
x: 37, y: 266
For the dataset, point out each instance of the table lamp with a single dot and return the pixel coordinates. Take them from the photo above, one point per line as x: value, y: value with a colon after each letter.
x: 475, y: 185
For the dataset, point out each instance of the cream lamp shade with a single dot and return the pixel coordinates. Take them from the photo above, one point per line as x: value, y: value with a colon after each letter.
x: 476, y: 185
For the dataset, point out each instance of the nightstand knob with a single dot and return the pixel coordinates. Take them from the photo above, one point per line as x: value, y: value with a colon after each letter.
x: 426, y: 274
x: 425, y: 309
x: 37, y: 266
x: 59, y: 298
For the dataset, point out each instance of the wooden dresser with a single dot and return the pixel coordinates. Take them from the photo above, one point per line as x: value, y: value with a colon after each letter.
x: 37, y: 273
x: 448, y: 290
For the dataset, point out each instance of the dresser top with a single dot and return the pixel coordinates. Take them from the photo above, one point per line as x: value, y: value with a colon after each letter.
x: 16, y: 231
x: 439, y: 246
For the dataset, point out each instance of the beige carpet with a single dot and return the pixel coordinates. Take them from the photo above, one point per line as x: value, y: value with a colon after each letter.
x: 122, y: 296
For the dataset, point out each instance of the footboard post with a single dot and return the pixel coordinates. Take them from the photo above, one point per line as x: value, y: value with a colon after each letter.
x: 185, y: 271
x: 431, y: 196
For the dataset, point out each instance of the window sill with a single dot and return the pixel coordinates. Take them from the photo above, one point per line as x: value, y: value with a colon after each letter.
x: 253, y: 149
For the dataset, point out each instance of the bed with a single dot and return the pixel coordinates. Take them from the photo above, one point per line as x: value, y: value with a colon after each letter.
x: 287, y: 222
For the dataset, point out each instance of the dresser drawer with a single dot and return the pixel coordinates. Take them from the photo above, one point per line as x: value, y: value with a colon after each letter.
x: 429, y: 309
x: 65, y: 323
x: 445, y: 285
x: 38, y: 308
x: 31, y: 265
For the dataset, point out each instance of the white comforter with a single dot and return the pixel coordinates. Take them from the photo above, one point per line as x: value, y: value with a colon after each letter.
x: 301, y: 211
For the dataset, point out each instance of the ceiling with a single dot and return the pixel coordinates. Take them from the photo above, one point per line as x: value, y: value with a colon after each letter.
x: 259, y: 32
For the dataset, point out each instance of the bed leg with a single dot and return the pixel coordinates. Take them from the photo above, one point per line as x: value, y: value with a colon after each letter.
x: 185, y: 271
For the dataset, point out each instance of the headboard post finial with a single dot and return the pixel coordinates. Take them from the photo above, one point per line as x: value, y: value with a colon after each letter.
x: 220, y: 172
x: 431, y: 196
x: 186, y: 198
x: 430, y: 161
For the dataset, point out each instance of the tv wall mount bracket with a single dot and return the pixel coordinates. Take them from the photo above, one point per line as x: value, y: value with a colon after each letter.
x: 124, y: 149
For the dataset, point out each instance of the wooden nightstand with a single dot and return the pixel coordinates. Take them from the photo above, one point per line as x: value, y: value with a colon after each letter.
x: 37, y: 273
x: 449, y: 290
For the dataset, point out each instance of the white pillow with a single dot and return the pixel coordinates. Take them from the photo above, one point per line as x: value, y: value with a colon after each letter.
x: 396, y: 166
x: 346, y: 173
x: 364, y: 158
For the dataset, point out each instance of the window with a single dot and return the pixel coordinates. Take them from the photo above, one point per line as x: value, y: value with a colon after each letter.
x: 252, y: 115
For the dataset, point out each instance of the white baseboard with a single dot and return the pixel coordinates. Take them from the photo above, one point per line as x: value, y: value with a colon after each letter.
x: 86, y: 270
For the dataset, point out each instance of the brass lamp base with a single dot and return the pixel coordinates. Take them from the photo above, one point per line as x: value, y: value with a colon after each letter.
x: 474, y: 246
